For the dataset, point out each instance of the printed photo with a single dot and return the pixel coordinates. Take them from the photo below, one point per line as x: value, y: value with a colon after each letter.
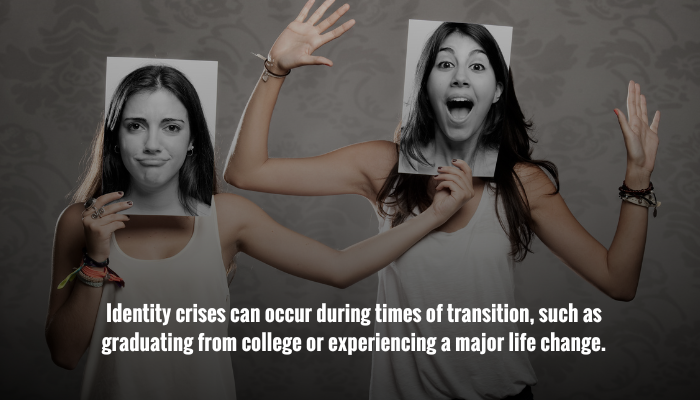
x: 454, y: 96
x: 159, y: 132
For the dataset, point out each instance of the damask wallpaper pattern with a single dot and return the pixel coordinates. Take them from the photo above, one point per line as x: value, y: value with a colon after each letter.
x: 571, y: 62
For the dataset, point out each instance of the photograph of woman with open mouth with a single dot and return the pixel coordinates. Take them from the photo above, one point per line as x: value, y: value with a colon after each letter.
x: 105, y: 257
x: 454, y: 88
x: 469, y: 260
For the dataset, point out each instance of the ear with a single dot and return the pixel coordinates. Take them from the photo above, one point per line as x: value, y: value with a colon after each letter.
x: 499, y: 90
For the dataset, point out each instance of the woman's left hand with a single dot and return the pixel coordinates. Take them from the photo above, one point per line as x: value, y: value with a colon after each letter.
x: 641, y: 139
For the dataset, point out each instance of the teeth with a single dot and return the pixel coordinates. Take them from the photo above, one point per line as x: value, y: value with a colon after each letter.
x: 459, y: 107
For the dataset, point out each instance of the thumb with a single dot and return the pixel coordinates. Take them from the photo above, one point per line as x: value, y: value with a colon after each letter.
x: 316, y: 60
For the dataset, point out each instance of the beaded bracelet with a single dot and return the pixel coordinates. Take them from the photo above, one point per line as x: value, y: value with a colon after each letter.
x: 94, y: 275
x: 642, y: 197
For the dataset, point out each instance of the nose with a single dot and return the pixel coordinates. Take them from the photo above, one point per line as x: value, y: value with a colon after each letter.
x: 461, y: 77
x: 152, y: 144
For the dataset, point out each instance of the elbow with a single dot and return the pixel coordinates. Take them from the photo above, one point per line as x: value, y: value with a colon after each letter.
x: 64, y: 362
x: 623, y: 295
x: 64, y: 359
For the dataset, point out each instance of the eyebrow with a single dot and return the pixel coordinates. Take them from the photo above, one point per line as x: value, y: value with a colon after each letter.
x: 143, y: 120
x: 451, y: 50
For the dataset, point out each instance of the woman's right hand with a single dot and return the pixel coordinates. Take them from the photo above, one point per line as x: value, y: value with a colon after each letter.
x: 296, y: 44
x: 453, y: 190
x: 98, y: 231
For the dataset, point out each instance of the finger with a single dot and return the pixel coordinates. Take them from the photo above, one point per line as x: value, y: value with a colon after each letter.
x: 459, y: 180
x: 337, y: 32
x: 106, y: 220
x: 630, y: 100
x: 333, y: 18
x: 655, y: 122
x: 117, y: 207
x: 462, y: 165
x: 316, y: 60
x: 448, y: 185
x: 638, y: 100
x: 624, y: 127
x: 320, y: 11
x: 455, y: 174
x: 115, y: 226
x: 101, y: 201
x: 645, y: 117
x: 305, y: 11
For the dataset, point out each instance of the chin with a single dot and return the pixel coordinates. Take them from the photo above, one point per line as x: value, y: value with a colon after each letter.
x: 458, y: 135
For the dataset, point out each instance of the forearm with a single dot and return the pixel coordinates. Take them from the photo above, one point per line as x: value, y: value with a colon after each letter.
x: 627, y: 249
x: 248, y: 151
x: 69, y: 330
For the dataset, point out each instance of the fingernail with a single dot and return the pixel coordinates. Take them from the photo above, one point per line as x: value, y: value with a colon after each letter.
x: 615, y: 112
x: 131, y: 203
x: 121, y: 193
x: 454, y: 160
x: 436, y: 176
x: 439, y: 167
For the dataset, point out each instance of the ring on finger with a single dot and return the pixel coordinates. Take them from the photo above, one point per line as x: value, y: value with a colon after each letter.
x: 90, y: 203
x: 98, y: 213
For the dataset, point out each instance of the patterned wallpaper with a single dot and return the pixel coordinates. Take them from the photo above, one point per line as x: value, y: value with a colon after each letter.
x: 571, y: 62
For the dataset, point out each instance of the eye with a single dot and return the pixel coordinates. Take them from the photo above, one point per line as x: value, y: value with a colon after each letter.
x: 445, y: 65
x: 478, y: 67
x: 133, y: 126
x: 172, y: 128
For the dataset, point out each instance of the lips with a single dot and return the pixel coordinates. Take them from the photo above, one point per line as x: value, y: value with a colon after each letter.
x: 152, y: 162
x: 459, y: 107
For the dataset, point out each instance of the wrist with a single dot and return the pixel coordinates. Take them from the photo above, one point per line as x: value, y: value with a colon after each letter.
x: 636, y: 178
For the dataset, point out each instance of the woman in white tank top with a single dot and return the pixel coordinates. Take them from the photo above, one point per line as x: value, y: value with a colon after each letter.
x: 171, y: 262
x: 468, y: 260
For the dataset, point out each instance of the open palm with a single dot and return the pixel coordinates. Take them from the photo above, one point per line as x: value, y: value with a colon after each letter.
x: 297, y: 43
x: 641, y: 139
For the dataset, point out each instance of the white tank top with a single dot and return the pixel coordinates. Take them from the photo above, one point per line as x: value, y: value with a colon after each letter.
x: 469, y: 268
x: 196, y: 275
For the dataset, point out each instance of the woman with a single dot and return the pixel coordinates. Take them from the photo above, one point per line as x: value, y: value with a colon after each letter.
x: 142, y: 154
x: 468, y: 261
x: 460, y: 131
x: 178, y: 261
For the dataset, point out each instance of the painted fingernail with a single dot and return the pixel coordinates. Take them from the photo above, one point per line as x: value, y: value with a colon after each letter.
x: 439, y: 167
x: 454, y: 160
x: 131, y: 203
x: 121, y: 193
x: 615, y: 111
x: 436, y: 176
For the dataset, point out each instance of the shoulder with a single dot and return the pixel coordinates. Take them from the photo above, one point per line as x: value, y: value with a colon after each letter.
x: 536, y: 183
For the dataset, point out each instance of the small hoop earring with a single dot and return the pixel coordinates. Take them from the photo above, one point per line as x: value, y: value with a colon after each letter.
x: 116, y: 148
x: 190, y: 152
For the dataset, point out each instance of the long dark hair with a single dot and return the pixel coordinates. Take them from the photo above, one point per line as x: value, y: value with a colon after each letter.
x: 106, y: 171
x: 505, y: 127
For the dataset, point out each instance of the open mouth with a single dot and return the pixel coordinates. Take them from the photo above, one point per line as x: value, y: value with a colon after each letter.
x: 459, y: 107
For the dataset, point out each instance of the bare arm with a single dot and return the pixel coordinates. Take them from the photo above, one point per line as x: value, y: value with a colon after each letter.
x: 614, y: 271
x: 357, y: 169
x: 258, y: 235
x: 73, y: 309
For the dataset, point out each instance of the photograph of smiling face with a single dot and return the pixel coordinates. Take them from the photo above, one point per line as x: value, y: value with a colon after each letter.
x: 157, y: 145
x: 453, y: 96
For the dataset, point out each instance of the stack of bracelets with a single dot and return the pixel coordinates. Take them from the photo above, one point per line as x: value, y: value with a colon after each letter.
x: 644, y: 197
x: 95, y: 275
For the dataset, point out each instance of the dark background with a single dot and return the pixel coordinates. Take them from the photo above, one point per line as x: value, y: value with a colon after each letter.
x: 571, y: 61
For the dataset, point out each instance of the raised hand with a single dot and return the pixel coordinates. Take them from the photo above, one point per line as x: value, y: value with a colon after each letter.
x: 641, y: 139
x: 296, y: 44
x: 453, y: 190
x: 99, y: 221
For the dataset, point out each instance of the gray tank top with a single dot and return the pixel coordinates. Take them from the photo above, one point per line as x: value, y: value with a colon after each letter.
x: 196, y: 275
x: 469, y: 268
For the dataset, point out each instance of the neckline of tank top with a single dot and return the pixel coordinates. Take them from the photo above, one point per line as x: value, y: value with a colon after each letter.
x: 471, y: 220
x: 182, y: 251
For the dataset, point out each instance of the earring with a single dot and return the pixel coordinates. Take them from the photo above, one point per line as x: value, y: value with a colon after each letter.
x: 116, y: 148
x: 190, y: 152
